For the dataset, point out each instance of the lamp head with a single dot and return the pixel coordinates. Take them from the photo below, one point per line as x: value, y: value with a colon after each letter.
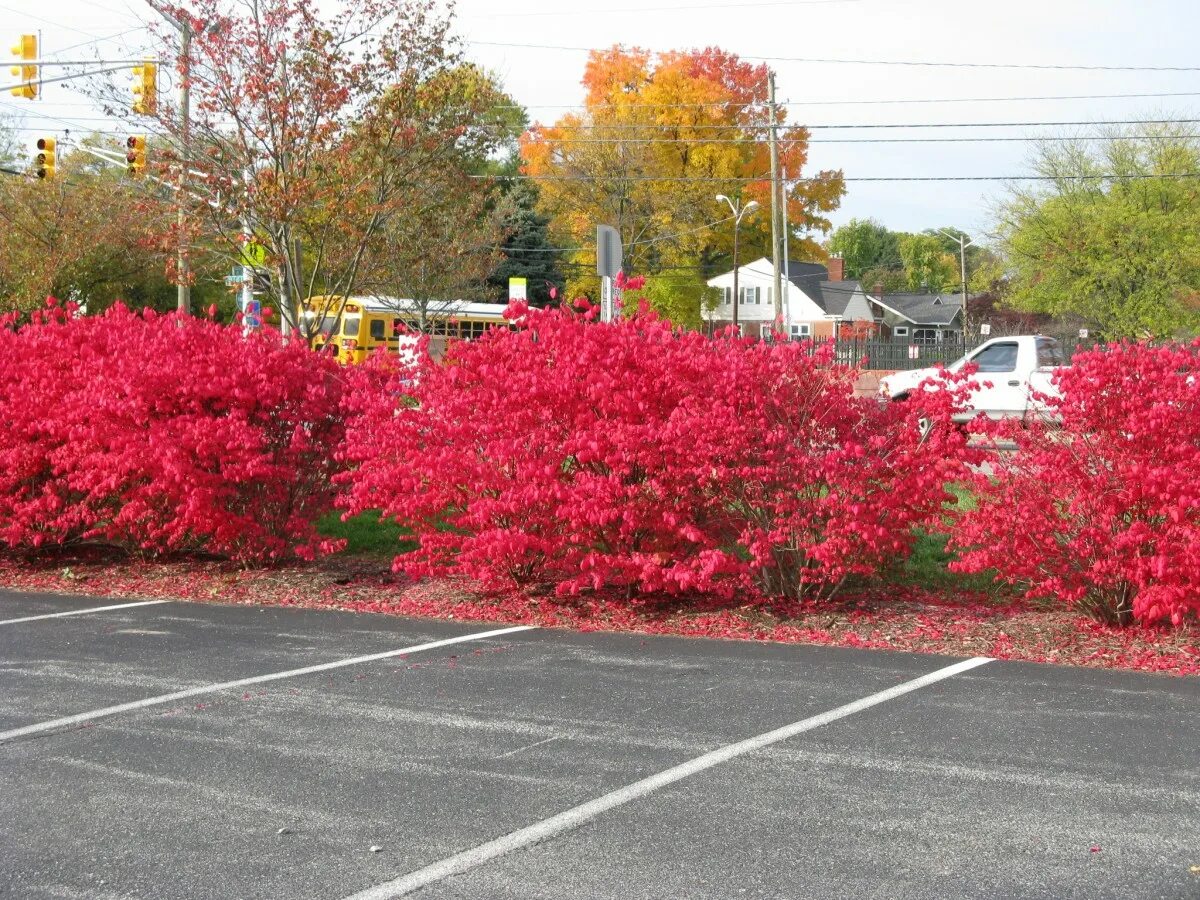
x: 722, y: 197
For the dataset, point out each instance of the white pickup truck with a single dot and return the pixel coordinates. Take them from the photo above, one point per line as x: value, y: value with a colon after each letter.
x: 1011, y: 370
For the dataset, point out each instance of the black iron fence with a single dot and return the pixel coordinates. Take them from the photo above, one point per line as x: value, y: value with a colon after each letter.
x: 894, y: 355
x: 897, y: 355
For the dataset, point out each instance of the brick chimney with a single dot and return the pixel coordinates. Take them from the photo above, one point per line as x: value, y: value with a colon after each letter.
x: 837, y: 268
x: 878, y: 290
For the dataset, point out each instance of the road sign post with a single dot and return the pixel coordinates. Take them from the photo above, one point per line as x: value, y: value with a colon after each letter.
x: 608, y: 264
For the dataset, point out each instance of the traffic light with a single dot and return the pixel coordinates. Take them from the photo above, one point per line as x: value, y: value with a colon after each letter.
x: 145, y: 89
x: 43, y: 161
x: 136, y: 157
x: 26, y: 49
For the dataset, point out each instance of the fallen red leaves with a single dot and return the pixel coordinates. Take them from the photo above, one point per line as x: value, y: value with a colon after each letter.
x: 886, y: 617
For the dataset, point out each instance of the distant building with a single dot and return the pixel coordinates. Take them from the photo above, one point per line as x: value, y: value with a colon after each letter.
x: 816, y: 299
x: 918, y: 318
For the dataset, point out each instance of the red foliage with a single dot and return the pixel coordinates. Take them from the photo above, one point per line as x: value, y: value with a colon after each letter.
x: 637, y: 456
x: 163, y: 433
x: 1104, y: 512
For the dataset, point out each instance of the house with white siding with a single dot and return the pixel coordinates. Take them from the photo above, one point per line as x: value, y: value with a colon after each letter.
x: 816, y: 300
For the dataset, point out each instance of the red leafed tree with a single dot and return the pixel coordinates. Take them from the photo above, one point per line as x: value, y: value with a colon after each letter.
x: 1104, y: 510
x: 326, y: 131
x: 636, y: 456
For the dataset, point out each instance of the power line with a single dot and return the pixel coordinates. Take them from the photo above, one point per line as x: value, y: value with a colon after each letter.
x: 622, y: 126
x: 861, y: 180
x: 517, y: 14
x: 655, y: 240
x: 99, y: 40
x: 880, y: 102
x: 939, y: 140
x: 883, y: 62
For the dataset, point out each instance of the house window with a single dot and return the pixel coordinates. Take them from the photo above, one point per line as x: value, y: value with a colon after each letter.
x: 726, y: 296
x: 801, y: 331
x: 925, y: 336
x: 900, y: 331
x: 770, y: 296
x: 751, y: 296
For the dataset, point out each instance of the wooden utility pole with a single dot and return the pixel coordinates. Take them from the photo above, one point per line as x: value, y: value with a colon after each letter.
x: 776, y: 231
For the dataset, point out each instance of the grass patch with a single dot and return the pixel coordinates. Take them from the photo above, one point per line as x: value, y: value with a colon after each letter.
x: 927, y: 566
x: 928, y: 563
x: 365, y: 534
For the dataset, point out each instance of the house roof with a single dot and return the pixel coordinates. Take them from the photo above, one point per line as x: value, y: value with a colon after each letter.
x: 812, y: 279
x: 831, y: 296
x: 922, y: 309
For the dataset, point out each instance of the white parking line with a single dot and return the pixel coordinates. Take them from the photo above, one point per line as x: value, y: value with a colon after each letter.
x: 83, y: 612
x: 579, y: 815
x: 93, y: 715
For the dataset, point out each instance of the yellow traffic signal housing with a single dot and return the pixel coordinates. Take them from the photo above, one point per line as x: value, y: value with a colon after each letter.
x: 136, y: 157
x: 145, y: 89
x: 26, y: 49
x: 43, y: 161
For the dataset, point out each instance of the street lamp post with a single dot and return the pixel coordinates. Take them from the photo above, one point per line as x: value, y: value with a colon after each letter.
x: 963, y: 244
x: 738, y: 211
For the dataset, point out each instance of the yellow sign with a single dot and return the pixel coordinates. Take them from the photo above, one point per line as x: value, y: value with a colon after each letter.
x: 254, y: 254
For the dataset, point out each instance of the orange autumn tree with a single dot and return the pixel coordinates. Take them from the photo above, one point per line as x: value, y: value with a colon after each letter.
x: 659, y: 136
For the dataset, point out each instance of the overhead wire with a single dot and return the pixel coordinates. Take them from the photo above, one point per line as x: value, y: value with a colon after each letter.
x: 755, y: 126
x: 517, y: 14
x: 879, y: 102
x: 858, y: 180
x: 1071, y: 67
x: 898, y: 140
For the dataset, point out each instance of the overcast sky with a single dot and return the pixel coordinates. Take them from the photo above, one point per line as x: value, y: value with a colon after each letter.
x: 1045, y: 32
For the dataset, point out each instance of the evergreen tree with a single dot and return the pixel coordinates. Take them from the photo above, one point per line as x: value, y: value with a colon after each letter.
x: 528, y: 252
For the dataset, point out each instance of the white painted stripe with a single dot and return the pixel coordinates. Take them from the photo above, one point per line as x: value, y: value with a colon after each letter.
x: 83, y: 612
x: 93, y: 715
x: 579, y: 815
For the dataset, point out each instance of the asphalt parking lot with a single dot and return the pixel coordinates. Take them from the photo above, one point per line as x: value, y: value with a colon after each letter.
x: 176, y: 750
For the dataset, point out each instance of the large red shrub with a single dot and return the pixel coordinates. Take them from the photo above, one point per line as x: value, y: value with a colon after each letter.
x: 1104, y: 511
x: 643, y: 457
x: 163, y: 433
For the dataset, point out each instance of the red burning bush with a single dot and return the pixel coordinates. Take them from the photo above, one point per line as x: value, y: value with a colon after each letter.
x: 163, y: 433
x: 1104, y: 512
x: 638, y: 456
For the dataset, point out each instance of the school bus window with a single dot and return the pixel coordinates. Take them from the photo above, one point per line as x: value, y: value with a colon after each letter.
x: 350, y: 326
x: 328, y: 325
x: 377, y: 330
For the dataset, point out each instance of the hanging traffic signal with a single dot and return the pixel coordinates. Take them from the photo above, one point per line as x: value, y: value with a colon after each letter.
x: 136, y: 157
x: 145, y: 89
x: 26, y: 49
x: 43, y: 161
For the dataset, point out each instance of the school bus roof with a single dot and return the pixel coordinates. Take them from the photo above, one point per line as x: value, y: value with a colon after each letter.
x: 440, y: 310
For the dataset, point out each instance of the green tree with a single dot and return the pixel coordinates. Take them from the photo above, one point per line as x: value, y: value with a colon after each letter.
x: 865, y: 245
x: 1112, y: 235
x: 680, y: 298
x: 527, y: 249
x: 927, y: 265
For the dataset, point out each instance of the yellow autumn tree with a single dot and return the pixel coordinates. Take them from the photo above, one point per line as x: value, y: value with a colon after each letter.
x: 658, y: 138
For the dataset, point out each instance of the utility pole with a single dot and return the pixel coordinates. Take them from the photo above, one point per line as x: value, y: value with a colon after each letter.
x: 184, y: 291
x: 738, y: 211
x: 775, y: 229
x: 963, y: 244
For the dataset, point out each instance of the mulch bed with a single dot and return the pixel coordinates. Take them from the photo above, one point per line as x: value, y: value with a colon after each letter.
x: 886, y: 617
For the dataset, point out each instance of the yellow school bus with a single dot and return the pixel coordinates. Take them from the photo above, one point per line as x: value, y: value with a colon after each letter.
x: 367, y: 323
